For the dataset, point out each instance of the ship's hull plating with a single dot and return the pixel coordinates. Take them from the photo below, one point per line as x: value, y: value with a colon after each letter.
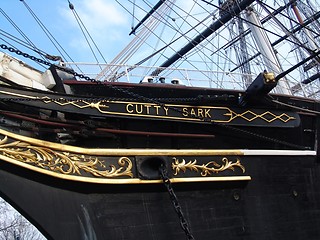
x: 241, y: 173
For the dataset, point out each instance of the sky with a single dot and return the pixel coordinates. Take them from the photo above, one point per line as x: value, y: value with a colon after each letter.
x: 109, y: 22
x: 106, y: 21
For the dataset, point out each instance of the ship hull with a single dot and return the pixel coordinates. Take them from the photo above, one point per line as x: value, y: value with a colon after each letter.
x: 238, y: 172
x: 281, y: 201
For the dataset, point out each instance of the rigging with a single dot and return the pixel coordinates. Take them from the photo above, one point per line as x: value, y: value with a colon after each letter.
x: 52, y: 39
x: 28, y: 43
x: 85, y: 31
x: 147, y: 16
x: 197, y: 40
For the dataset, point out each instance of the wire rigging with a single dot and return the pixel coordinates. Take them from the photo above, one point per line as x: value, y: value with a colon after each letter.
x: 86, y: 33
x: 28, y: 42
x: 52, y: 39
x: 22, y: 43
x: 161, y: 18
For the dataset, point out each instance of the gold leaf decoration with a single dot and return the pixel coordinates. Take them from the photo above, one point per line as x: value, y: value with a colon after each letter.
x: 63, y: 162
x: 206, y: 169
x: 266, y: 116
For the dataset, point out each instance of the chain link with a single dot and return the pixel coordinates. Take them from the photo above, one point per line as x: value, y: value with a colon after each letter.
x: 176, y: 205
x: 41, y: 61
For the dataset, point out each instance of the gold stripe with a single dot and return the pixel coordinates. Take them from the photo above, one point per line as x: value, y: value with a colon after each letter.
x: 122, y: 152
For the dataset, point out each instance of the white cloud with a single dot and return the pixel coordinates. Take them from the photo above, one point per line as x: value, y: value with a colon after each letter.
x: 106, y: 22
x: 99, y: 14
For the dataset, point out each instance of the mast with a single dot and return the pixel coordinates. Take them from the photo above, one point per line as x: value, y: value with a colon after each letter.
x: 241, y: 50
x: 230, y: 13
x: 296, y: 29
x: 269, y: 57
x: 149, y: 23
x: 310, y: 39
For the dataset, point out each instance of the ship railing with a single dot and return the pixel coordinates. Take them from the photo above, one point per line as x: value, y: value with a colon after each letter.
x: 183, y: 76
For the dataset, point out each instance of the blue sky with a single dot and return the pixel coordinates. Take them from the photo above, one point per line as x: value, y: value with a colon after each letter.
x: 106, y: 21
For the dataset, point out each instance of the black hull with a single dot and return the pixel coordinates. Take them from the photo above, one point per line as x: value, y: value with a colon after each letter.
x: 281, y: 202
x: 256, y: 176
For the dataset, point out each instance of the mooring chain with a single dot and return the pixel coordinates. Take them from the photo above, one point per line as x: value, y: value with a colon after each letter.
x: 175, y: 202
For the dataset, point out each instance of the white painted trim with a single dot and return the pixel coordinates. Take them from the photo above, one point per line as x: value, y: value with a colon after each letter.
x: 279, y: 152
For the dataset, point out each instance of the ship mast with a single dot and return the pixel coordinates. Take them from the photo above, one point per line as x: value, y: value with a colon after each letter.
x: 234, y: 10
x: 269, y: 57
x: 310, y: 39
x: 148, y: 24
x: 241, y: 49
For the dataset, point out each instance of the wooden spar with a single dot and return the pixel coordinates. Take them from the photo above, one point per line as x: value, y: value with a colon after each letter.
x: 235, y: 10
x: 147, y: 16
x: 311, y: 19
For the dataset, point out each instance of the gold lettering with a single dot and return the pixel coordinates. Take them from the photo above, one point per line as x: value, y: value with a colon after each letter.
x: 148, y: 107
x: 166, y: 109
x: 157, y: 109
x: 128, y: 110
x: 207, y: 113
x: 192, y: 112
x: 185, y: 112
x: 139, y: 110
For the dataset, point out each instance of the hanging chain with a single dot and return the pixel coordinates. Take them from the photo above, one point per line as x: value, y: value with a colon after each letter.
x: 175, y: 202
x: 41, y: 61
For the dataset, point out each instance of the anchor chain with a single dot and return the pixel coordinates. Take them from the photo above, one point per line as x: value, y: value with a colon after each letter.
x: 176, y: 205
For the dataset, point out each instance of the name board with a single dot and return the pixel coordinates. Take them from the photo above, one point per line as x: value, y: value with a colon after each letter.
x: 219, y: 114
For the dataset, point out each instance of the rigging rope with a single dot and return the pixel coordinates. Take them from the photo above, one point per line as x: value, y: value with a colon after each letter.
x: 29, y: 43
x: 85, y: 31
x: 162, y: 18
x: 301, y: 45
x: 52, y: 39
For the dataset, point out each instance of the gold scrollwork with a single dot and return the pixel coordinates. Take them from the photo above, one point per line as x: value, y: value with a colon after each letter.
x: 206, y: 169
x: 63, y: 162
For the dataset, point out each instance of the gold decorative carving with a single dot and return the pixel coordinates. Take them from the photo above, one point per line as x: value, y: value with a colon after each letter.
x: 77, y: 103
x: 38, y: 155
x: 206, y: 169
x: 266, y: 116
x: 63, y: 162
